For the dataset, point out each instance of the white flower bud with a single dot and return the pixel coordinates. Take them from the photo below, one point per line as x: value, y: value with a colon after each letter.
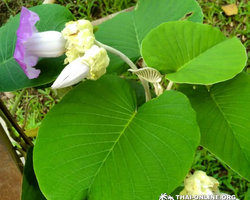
x: 73, y: 73
x: 46, y: 44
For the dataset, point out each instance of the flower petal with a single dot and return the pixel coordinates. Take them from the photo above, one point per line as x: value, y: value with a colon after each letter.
x: 48, y: 44
x: 27, y: 23
x: 25, y: 30
x: 72, y: 74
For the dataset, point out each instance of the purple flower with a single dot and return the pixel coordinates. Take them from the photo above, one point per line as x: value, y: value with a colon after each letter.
x: 31, y: 44
x: 26, y: 28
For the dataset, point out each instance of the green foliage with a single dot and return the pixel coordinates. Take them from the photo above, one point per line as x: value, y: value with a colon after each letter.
x: 193, y: 53
x: 102, y: 141
x: 33, y: 107
x: 230, y: 182
x: 126, y: 31
x: 95, y: 144
x: 12, y: 76
x: 95, y: 8
x: 223, y: 116
x: 30, y: 188
x: 236, y: 25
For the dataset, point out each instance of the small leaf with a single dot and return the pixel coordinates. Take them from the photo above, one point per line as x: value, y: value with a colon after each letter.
x: 62, y: 91
x: 149, y: 74
x: 230, y: 9
x: 32, y: 132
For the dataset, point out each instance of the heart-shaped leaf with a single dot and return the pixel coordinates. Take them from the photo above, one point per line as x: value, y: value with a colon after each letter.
x: 12, y: 77
x: 126, y: 31
x: 193, y: 53
x: 223, y: 114
x: 95, y: 144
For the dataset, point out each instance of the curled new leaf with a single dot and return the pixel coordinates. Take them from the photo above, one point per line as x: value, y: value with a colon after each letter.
x: 149, y: 74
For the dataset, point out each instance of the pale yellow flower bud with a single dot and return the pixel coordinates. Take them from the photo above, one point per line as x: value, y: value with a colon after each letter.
x: 200, y: 184
x: 91, y: 66
x: 97, y: 59
x: 79, y: 36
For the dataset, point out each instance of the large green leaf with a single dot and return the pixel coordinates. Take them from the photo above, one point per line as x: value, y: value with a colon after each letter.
x: 30, y: 188
x: 12, y: 77
x: 193, y: 53
x: 223, y: 116
x: 95, y: 144
x: 126, y: 31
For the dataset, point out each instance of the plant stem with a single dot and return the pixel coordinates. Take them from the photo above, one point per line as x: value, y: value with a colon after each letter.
x: 13, y: 110
x: 14, y: 123
x: 130, y: 63
x: 170, y: 84
x: 118, y: 53
x: 4, y: 140
x: 11, y: 132
x: 10, y: 128
x: 146, y: 88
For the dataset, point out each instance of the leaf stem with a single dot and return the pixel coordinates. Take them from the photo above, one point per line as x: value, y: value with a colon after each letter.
x: 129, y: 62
x: 10, y: 118
x: 117, y: 53
x: 170, y: 84
x: 16, y: 103
x: 9, y: 127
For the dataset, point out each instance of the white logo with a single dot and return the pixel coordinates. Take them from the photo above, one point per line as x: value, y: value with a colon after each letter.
x: 164, y: 196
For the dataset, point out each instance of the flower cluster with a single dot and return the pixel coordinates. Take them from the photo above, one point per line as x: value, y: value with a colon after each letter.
x: 84, y: 58
x: 91, y: 66
x: 79, y: 36
x: 200, y: 184
x: 97, y: 60
x: 88, y: 60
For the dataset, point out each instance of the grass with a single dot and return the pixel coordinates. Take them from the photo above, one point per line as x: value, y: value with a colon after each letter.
x: 92, y: 10
x: 33, y: 107
x: 37, y: 102
x: 236, y: 25
x: 230, y: 182
x: 86, y: 9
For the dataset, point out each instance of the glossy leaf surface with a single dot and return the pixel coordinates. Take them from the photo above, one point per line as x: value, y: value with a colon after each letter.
x: 95, y: 144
